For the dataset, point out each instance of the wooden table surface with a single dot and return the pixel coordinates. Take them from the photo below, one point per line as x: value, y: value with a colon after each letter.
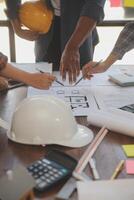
x: 107, y: 156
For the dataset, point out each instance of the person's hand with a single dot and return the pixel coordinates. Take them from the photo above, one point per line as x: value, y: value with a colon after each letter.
x: 40, y: 80
x: 88, y: 69
x: 3, y: 60
x: 24, y: 33
x: 3, y: 83
x: 70, y: 63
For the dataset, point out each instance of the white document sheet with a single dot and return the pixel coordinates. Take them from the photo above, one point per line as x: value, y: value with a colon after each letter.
x: 116, y: 120
x: 100, y: 79
x: 113, y: 97
x: 122, y: 189
x: 80, y: 99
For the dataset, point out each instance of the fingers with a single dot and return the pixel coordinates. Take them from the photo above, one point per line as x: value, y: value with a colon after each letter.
x: 40, y: 81
x: 75, y: 71
x: 72, y: 71
x: 88, y: 70
x: 64, y: 74
x: 3, y: 60
x: 47, y: 81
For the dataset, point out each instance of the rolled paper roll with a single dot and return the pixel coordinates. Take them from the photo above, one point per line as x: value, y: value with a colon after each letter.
x: 116, y: 120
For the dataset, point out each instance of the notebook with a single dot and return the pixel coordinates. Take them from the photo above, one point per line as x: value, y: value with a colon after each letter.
x: 121, y: 189
x: 122, y: 79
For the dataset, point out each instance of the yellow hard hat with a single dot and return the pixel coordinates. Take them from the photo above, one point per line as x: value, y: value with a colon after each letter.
x: 36, y: 16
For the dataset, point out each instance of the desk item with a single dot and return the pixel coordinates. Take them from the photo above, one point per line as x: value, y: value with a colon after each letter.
x: 70, y: 186
x: 67, y: 189
x: 90, y: 150
x: 128, y: 108
x: 59, y: 82
x: 16, y: 183
x: 122, y: 189
x: 81, y: 176
x: 51, y: 170
x: 113, y: 96
x: 92, y: 163
x: 4, y: 124
x: 81, y: 100
x: 95, y: 65
x: 12, y: 84
x: 122, y: 79
x: 129, y: 150
x: 114, y: 119
x: 128, y: 3
x: 129, y: 166
x: 117, y: 169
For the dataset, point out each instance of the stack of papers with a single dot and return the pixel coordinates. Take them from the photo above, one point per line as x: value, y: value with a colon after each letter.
x: 123, y: 79
x: 122, y: 189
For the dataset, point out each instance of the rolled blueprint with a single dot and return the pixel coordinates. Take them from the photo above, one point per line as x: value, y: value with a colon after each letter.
x: 114, y: 120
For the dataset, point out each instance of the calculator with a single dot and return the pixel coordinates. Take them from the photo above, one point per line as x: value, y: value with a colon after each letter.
x: 51, y: 170
x: 128, y: 108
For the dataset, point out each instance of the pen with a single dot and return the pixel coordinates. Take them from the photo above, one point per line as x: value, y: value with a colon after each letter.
x: 117, y: 169
x: 59, y: 82
x: 55, y: 80
x: 95, y: 65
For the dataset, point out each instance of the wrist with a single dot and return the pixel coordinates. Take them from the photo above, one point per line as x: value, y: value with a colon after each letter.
x: 27, y: 77
x: 111, y: 59
x: 71, y: 46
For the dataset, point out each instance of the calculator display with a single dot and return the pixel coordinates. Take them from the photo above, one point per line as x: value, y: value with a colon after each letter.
x: 63, y: 159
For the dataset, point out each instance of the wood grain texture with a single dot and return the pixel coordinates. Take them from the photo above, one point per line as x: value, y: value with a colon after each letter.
x: 107, y: 155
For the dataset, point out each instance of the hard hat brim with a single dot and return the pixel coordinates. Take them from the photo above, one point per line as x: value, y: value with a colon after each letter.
x: 83, y: 137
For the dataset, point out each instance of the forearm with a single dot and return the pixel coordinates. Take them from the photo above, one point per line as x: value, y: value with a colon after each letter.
x: 12, y: 8
x: 83, y: 28
x: 12, y: 72
x: 125, y: 41
x: 111, y: 59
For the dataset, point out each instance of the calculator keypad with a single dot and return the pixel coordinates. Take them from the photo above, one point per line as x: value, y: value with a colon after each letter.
x: 46, y: 173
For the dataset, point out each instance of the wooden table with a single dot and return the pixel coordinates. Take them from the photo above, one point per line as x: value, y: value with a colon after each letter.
x: 107, y: 155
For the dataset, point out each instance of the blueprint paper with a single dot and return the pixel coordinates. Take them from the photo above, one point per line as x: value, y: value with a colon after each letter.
x: 81, y: 99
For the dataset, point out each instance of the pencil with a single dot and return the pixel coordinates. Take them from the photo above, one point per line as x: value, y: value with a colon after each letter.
x: 117, y: 169
x: 95, y: 65
x: 55, y: 80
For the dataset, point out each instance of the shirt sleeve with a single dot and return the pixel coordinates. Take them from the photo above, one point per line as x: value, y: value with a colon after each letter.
x: 125, y: 41
x: 3, y: 61
x: 94, y: 9
x: 12, y: 8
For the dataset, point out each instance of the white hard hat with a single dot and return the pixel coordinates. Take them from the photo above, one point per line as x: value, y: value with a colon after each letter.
x: 47, y: 120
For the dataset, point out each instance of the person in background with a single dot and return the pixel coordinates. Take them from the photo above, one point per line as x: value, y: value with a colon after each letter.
x: 72, y: 37
x: 37, y: 80
x: 124, y: 43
